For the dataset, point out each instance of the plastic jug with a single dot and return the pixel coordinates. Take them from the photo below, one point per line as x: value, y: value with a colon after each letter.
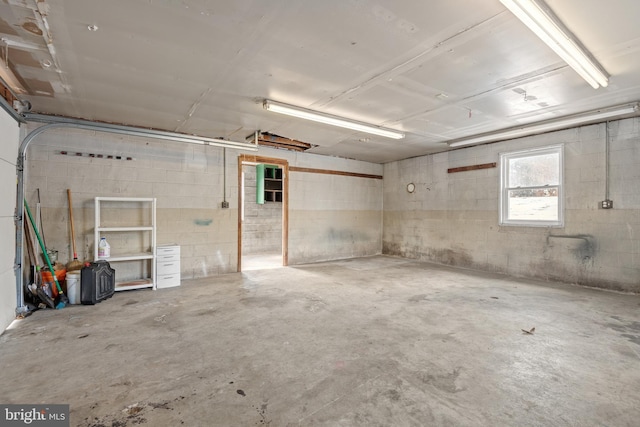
x: 104, y: 250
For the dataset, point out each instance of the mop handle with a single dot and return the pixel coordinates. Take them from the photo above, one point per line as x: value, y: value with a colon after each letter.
x: 44, y: 250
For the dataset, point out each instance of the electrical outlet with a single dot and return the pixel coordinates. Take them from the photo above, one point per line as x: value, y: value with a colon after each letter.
x: 606, y: 204
x: 225, y: 205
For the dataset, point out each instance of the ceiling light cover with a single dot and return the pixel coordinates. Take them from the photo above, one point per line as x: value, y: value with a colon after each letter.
x: 21, y: 45
x: 596, y: 116
x: 540, y: 19
x: 303, y: 113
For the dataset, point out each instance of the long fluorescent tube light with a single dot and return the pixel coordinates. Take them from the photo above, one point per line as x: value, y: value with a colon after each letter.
x: 302, y: 113
x: 19, y: 44
x: 550, y: 125
x: 540, y: 19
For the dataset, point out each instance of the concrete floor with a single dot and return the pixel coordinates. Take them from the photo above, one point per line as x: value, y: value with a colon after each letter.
x: 261, y: 261
x: 375, y: 341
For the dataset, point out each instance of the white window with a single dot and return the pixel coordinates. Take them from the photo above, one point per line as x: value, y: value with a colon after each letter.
x: 531, y: 187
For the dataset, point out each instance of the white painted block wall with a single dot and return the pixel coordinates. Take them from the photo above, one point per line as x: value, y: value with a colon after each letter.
x: 9, y: 143
x: 262, y: 226
x: 186, y: 179
x: 333, y: 216
x: 453, y: 218
x: 330, y: 216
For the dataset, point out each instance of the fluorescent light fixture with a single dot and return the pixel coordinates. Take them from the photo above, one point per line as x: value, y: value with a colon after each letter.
x: 19, y: 44
x: 540, y: 19
x: 302, y: 113
x: 596, y: 116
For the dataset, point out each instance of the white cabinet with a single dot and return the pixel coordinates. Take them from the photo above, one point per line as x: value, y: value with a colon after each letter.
x: 129, y: 225
x: 168, y: 266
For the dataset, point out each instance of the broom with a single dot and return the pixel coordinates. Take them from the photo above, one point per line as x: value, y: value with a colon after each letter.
x: 62, y: 298
x: 35, y: 270
x: 75, y: 264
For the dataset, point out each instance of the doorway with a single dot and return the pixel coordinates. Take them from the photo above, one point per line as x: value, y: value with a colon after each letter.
x: 263, y: 201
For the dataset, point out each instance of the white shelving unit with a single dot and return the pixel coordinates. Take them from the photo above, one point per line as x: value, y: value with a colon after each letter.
x: 117, y: 256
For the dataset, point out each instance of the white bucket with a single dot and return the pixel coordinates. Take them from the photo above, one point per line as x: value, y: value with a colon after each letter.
x: 73, y: 287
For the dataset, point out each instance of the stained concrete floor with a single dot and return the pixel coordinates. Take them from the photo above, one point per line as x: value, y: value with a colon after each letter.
x: 375, y: 341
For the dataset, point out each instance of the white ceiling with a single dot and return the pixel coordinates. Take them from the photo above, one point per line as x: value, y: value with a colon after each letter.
x: 437, y: 70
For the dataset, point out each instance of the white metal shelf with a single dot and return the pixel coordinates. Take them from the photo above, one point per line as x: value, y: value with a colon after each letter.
x: 125, y: 229
x: 148, y: 204
x: 129, y: 257
x: 126, y: 199
x: 134, y: 284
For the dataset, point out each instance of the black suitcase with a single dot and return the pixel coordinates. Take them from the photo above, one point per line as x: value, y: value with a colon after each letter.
x: 97, y: 282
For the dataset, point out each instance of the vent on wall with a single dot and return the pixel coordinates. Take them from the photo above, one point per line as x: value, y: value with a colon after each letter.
x: 277, y: 141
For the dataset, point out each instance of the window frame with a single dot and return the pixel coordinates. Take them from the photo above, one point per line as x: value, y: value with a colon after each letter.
x: 504, y: 189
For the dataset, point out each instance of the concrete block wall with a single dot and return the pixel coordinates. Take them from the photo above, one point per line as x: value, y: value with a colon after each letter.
x: 330, y: 217
x: 453, y: 218
x: 262, y: 226
x: 9, y: 143
x: 186, y: 179
x: 333, y: 216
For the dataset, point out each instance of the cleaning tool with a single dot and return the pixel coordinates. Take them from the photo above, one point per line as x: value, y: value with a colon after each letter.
x: 32, y: 286
x: 38, y: 226
x: 53, y: 255
x: 75, y: 264
x: 62, y: 298
x: 36, y: 288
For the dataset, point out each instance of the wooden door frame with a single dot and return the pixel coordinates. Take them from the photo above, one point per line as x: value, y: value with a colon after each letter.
x: 253, y: 159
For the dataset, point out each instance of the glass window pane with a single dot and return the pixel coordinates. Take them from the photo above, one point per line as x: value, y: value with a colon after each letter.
x: 539, y: 205
x: 534, y: 171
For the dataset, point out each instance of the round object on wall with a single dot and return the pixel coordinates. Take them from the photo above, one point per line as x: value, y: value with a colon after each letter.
x: 411, y: 187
